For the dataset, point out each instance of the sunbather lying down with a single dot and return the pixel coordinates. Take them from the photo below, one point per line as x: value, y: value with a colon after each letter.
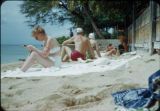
x: 49, y: 56
x: 82, y: 45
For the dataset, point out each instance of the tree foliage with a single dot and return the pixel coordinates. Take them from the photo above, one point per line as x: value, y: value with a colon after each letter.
x: 62, y: 39
x: 91, y: 15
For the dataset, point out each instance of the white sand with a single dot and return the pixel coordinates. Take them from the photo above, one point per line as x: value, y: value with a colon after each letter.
x: 98, y: 65
x: 87, y: 92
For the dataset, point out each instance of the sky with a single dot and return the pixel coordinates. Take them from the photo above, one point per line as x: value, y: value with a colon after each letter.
x: 14, y: 29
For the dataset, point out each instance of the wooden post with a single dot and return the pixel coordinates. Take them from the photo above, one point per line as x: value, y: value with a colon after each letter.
x: 117, y: 30
x: 125, y: 30
x: 133, y: 26
x: 153, y: 9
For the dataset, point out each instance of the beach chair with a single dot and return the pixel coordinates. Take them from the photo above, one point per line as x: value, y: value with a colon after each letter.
x: 141, y: 97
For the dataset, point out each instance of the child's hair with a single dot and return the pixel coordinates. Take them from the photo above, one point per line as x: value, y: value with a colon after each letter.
x: 38, y: 29
x: 110, y: 45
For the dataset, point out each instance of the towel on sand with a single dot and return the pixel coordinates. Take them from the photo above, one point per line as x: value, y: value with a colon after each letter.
x: 142, y: 97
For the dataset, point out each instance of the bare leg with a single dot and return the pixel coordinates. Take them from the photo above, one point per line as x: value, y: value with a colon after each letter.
x: 66, y: 53
x: 65, y: 58
x: 46, y: 62
x: 63, y: 52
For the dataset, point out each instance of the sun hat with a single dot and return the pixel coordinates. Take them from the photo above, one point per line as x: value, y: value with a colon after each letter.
x: 91, y: 36
x: 79, y: 30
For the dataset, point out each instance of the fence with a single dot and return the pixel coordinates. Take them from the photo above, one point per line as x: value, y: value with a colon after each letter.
x: 143, y: 28
x: 104, y: 42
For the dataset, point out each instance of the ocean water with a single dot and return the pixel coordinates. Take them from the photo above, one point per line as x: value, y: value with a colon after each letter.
x: 12, y: 53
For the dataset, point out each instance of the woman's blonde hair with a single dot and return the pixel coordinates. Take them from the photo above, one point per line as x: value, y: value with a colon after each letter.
x: 37, y: 30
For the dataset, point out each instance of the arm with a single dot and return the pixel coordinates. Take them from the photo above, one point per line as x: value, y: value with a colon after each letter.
x: 68, y: 41
x: 91, y: 50
x: 45, y: 52
x: 97, y: 50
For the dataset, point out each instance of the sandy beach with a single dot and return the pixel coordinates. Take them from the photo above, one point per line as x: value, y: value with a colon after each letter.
x: 87, y: 92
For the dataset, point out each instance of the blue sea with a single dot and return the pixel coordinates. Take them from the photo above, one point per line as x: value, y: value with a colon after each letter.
x: 12, y: 53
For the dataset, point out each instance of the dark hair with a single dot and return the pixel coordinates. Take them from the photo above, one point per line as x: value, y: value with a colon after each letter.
x: 110, y: 45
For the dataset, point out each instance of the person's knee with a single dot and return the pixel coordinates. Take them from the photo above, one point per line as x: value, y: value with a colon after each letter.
x: 64, y: 47
x: 34, y: 54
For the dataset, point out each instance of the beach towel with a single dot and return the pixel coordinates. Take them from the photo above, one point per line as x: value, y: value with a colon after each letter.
x: 154, y: 81
x: 141, y: 97
x: 73, y: 68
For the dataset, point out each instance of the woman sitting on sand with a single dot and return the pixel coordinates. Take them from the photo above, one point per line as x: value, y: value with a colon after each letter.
x: 49, y: 56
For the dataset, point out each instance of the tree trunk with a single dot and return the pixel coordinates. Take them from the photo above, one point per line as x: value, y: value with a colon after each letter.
x: 92, y: 21
x: 86, y: 10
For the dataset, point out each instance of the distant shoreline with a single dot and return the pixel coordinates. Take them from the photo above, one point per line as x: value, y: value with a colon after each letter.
x: 14, y: 65
x: 13, y: 52
x: 10, y: 63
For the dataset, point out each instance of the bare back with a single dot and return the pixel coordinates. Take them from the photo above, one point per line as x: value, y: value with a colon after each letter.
x: 93, y: 44
x: 53, y: 45
x: 81, y: 44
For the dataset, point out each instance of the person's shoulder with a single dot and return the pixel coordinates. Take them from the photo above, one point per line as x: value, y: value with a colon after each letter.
x: 51, y: 39
x: 85, y: 38
x: 72, y: 38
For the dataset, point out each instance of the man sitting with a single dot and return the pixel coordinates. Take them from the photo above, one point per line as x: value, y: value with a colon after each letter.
x: 82, y: 45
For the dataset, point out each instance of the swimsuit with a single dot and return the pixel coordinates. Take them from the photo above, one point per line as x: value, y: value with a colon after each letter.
x: 76, y: 54
x: 56, y: 57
